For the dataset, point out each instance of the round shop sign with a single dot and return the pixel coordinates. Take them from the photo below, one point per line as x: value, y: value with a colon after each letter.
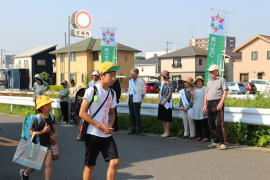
x: 82, y: 19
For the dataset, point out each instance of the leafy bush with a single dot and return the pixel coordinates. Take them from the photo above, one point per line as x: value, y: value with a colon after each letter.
x: 55, y: 88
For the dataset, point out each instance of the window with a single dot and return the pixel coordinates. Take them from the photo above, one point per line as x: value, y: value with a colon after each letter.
x: 73, y: 57
x: 62, y: 77
x: 254, y: 55
x: 200, y: 62
x: 177, y: 62
x: 73, y: 76
x: 260, y: 75
x: 95, y: 56
x: 41, y: 62
x: 175, y: 78
x: 244, y: 77
x: 268, y: 55
x: 62, y: 56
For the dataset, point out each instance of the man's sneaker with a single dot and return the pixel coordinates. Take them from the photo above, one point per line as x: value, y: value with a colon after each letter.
x: 23, y: 177
x: 223, y: 147
x: 165, y: 135
x: 213, y: 145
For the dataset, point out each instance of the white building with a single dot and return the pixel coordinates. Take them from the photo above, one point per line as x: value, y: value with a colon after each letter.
x: 147, y: 68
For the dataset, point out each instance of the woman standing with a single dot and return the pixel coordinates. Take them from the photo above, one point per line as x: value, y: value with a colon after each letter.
x: 165, y: 102
x: 40, y: 87
x: 186, y: 103
x: 64, y: 100
x: 201, y: 122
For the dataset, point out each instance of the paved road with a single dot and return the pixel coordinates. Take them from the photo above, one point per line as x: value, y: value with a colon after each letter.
x: 142, y: 157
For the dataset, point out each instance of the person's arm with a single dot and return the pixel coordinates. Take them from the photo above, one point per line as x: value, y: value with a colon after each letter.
x: 85, y: 116
x: 205, y: 103
x: 43, y: 131
x: 221, y: 102
x: 143, y: 89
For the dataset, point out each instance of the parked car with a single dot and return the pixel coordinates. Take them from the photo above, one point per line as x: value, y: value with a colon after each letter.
x: 237, y: 88
x: 251, y: 88
x: 261, y: 85
x: 152, y: 87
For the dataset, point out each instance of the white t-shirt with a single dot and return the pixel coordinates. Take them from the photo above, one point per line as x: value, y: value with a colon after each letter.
x: 103, y: 114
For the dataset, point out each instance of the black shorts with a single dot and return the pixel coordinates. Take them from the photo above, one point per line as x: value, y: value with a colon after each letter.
x: 95, y: 144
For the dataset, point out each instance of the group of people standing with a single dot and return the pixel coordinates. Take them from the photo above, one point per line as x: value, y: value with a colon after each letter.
x: 202, y: 108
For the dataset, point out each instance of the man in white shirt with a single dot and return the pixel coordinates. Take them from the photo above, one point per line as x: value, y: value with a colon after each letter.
x: 95, y: 79
x: 99, y: 132
x: 136, y: 92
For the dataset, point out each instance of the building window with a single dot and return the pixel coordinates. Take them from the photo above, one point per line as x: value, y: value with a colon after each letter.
x: 260, y: 75
x: 73, y: 57
x: 62, y: 77
x: 175, y: 78
x: 200, y: 62
x: 95, y: 56
x: 41, y: 62
x: 177, y: 62
x: 62, y: 56
x: 268, y: 55
x: 244, y: 77
x: 73, y: 76
x: 254, y: 55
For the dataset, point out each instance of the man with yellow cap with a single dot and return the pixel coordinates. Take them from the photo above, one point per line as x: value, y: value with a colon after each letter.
x: 44, y: 132
x: 100, y: 117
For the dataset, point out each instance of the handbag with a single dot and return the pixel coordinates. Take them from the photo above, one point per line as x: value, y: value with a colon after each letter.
x: 30, y: 154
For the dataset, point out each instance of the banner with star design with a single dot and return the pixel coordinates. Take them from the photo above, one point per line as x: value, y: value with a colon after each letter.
x: 108, y: 45
x: 216, y: 43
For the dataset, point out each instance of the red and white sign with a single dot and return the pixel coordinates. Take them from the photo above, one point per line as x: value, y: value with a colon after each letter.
x: 81, y: 20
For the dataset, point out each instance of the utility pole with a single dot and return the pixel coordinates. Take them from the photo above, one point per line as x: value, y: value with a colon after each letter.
x: 167, y: 45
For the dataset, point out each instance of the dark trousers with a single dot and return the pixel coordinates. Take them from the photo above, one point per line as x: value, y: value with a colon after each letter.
x: 64, y: 110
x: 202, y: 129
x: 216, y: 122
x: 115, y: 124
x: 135, y: 114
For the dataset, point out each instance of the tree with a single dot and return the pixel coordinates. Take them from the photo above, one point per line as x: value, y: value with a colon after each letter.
x: 139, y: 58
x: 45, y: 76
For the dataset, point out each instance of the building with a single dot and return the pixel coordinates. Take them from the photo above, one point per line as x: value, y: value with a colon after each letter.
x: 154, y: 53
x: 189, y: 61
x: 6, y: 61
x: 148, y: 68
x: 230, y: 58
x: 255, y: 62
x: 203, y: 42
x: 86, y: 57
x: 36, y: 60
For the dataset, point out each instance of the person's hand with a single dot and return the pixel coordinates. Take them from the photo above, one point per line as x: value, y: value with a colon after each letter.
x: 46, y: 129
x: 219, y: 106
x: 162, y: 103
x: 205, y: 110
x: 105, y: 129
x: 182, y: 108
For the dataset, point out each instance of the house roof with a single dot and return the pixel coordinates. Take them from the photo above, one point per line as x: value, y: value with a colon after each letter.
x: 34, y: 51
x: 152, y: 60
x: 186, y: 52
x: 264, y: 37
x: 229, y: 52
x: 91, y: 44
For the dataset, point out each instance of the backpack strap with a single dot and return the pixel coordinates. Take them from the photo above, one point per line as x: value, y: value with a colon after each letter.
x: 95, y: 93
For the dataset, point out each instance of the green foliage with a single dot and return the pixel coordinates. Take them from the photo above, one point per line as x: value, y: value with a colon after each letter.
x: 86, y: 79
x: 45, y: 76
x: 55, y: 88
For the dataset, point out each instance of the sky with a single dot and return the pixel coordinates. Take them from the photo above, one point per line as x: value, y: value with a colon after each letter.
x: 142, y: 24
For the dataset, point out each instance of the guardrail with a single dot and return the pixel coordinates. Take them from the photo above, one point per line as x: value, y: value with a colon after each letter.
x: 232, y: 114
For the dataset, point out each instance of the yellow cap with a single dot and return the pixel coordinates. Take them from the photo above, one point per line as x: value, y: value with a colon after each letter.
x: 108, y: 67
x: 42, y: 100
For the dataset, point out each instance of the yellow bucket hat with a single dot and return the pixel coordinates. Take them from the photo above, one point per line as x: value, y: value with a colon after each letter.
x: 42, y: 100
x: 108, y: 67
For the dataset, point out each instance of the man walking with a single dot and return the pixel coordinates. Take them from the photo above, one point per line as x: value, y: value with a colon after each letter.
x: 215, y: 95
x: 136, y: 91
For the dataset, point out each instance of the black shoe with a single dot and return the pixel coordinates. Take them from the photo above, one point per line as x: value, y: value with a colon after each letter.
x: 137, y: 133
x: 131, y: 132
